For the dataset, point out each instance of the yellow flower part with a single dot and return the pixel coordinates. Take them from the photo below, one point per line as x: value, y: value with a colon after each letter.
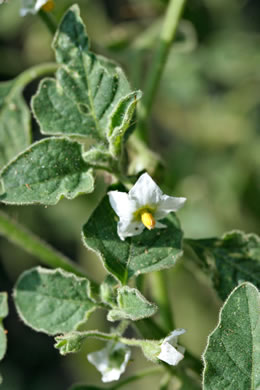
x: 143, y: 206
x: 47, y: 7
x: 148, y: 220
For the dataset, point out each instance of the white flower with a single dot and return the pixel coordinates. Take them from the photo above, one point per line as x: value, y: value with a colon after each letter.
x: 143, y: 206
x: 111, y: 361
x: 33, y: 6
x: 171, y: 352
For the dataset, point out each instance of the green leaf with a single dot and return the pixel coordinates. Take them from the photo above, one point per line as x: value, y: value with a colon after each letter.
x: 232, y: 356
x: 71, y: 342
x: 148, y: 252
x: 99, y: 157
x: 120, y: 121
x: 230, y: 260
x: 45, y: 172
x: 15, y: 131
x: 131, y: 304
x: 88, y: 89
x: 53, y: 301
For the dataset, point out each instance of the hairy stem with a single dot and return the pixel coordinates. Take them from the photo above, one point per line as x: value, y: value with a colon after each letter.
x: 28, y: 241
x: 31, y: 74
x: 166, y: 37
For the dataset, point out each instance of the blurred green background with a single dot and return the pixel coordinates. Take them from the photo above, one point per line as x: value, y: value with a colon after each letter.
x: 205, y: 126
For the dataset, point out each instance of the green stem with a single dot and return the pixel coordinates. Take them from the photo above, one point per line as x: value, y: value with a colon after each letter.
x: 161, y: 297
x: 137, y: 376
x: 165, y: 382
x: 121, y: 328
x: 167, y: 35
x: 26, y: 240
x: 31, y: 74
x: 48, y: 20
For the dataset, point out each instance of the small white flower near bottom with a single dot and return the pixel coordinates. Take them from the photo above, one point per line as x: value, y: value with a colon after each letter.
x: 111, y: 361
x: 171, y: 352
x: 142, y: 207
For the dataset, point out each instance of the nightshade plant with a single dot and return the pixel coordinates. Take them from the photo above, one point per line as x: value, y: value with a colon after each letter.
x: 89, y: 97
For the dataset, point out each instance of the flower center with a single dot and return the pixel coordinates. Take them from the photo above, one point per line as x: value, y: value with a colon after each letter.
x: 147, y: 219
x: 47, y: 7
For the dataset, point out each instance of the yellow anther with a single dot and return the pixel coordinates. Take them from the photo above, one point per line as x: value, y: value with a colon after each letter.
x: 47, y: 7
x: 148, y: 220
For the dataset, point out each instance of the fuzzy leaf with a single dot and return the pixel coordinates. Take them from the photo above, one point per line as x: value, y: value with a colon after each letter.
x: 148, y: 252
x: 230, y: 260
x: 53, y: 301
x: 70, y: 342
x: 232, y: 356
x: 44, y: 173
x: 15, y: 131
x: 120, y: 121
x: 88, y: 88
x: 131, y: 304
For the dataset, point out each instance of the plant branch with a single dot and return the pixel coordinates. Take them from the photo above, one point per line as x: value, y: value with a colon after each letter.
x: 31, y: 74
x: 48, y: 20
x: 161, y: 297
x: 167, y: 35
x: 29, y: 242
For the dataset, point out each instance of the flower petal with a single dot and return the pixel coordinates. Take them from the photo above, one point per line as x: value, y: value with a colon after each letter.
x: 126, y: 228
x: 169, y: 354
x: 110, y: 361
x: 173, y: 336
x: 145, y: 191
x: 122, y: 204
x: 168, y: 204
x: 31, y: 6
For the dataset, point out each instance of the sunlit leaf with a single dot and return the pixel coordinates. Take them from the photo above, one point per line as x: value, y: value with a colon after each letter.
x: 89, y: 90
x: 49, y: 170
x: 131, y: 304
x: 232, y: 356
x: 53, y: 301
x: 15, y: 131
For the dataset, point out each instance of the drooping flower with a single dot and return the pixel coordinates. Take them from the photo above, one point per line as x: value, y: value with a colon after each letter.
x: 33, y: 6
x: 142, y: 207
x: 171, y: 352
x: 111, y: 361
